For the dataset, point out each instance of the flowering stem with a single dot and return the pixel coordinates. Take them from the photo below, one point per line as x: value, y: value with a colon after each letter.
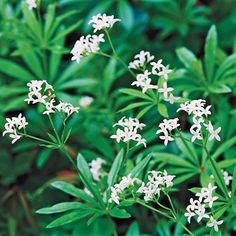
x: 116, y: 55
x: 35, y: 138
x: 153, y: 209
x: 172, y: 205
x: 54, y: 129
x: 65, y: 151
x: 188, y: 148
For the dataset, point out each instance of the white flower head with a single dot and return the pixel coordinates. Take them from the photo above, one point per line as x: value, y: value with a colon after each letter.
x: 143, y: 81
x: 129, y: 131
x: 141, y: 60
x: 67, y: 108
x: 214, y: 223
x: 166, y: 127
x: 95, y: 168
x: 13, y: 125
x: 31, y: 4
x: 86, y: 46
x: 85, y: 101
x: 102, y: 21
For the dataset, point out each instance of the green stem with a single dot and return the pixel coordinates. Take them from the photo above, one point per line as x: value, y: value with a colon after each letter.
x: 154, y: 209
x: 35, y: 138
x: 116, y: 55
x: 64, y: 150
x: 172, y: 205
x: 113, y: 226
x: 54, y: 129
x: 188, y: 148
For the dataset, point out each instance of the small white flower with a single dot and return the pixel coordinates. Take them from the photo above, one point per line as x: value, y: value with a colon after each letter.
x: 95, y: 168
x: 102, y: 21
x: 227, y: 177
x: 166, y: 127
x: 13, y: 125
x: 141, y: 59
x: 165, y: 90
x: 130, y: 131
x: 214, y: 223
x: 157, y: 66
x: 85, y: 101
x: 86, y: 46
x: 67, y: 108
x: 213, y: 133
x: 31, y: 4
x: 164, y: 72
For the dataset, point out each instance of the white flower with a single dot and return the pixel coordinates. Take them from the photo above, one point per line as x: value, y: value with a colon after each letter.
x: 13, y: 125
x: 214, y: 223
x: 67, y: 108
x: 227, y: 177
x: 85, y: 101
x: 213, y: 133
x: 171, y: 98
x: 31, y: 4
x: 166, y: 127
x: 86, y: 46
x: 50, y: 108
x: 195, y: 131
x: 164, y: 72
x: 165, y: 90
x: 102, y: 21
x: 95, y: 168
x: 143, y: 81
x: 39, y: 92
x: 130, y: 131
x: 206, y: 195
x: 157, y: 181
x: 141, y: 59
x: 118, y: 188
x: 156, y: 66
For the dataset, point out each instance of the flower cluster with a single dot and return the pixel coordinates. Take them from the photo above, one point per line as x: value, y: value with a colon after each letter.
x: 42, y: 92
x: 118, y: 189
x: 166, y: 127
x: 95, y: 168
x: 227, y: 177
x: 198, y: 207
x: 200, y: 113
x: 13, y: 125
x: 89, y: 44
x: 157, y: 181
x: 85, y: 46
x: 141, y: 59
x: 31, y: 4
x: 85, y: 101
x: 130, y: 131
x: 144, y: 80
x: 102, y: 21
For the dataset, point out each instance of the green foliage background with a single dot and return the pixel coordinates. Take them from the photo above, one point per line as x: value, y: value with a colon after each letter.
x: 36, y: 45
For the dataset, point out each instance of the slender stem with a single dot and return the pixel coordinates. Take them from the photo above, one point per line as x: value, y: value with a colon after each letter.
x: 171, y: 204
x: 116, y: 55
x: 54, y: 129
x: 113, y: 225
x: 65, y: 151
x: 188, y: 148
x: 154, y: 209
x: 35, y: 138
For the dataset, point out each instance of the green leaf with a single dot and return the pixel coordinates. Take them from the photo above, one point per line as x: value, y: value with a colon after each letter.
x: 125, y: 13
x: 119, y: 213
x: 133, y: 230
x: 115, y: 168
x: 72, y: 190
x: 66, y: 31
x: 223, y: 147
x: 14, y: 70
x: 210, y: 52
x: 75, y: 83
x: 162, y: 110
x: 234, y: 183
x: 219, y: 88
x: 68, y: 218
x: 144, y: 111
x: 140, y: 166
x: 135, y: 93
x: 61, y: 207
x: 86, y: 177
x: 134, y: 105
